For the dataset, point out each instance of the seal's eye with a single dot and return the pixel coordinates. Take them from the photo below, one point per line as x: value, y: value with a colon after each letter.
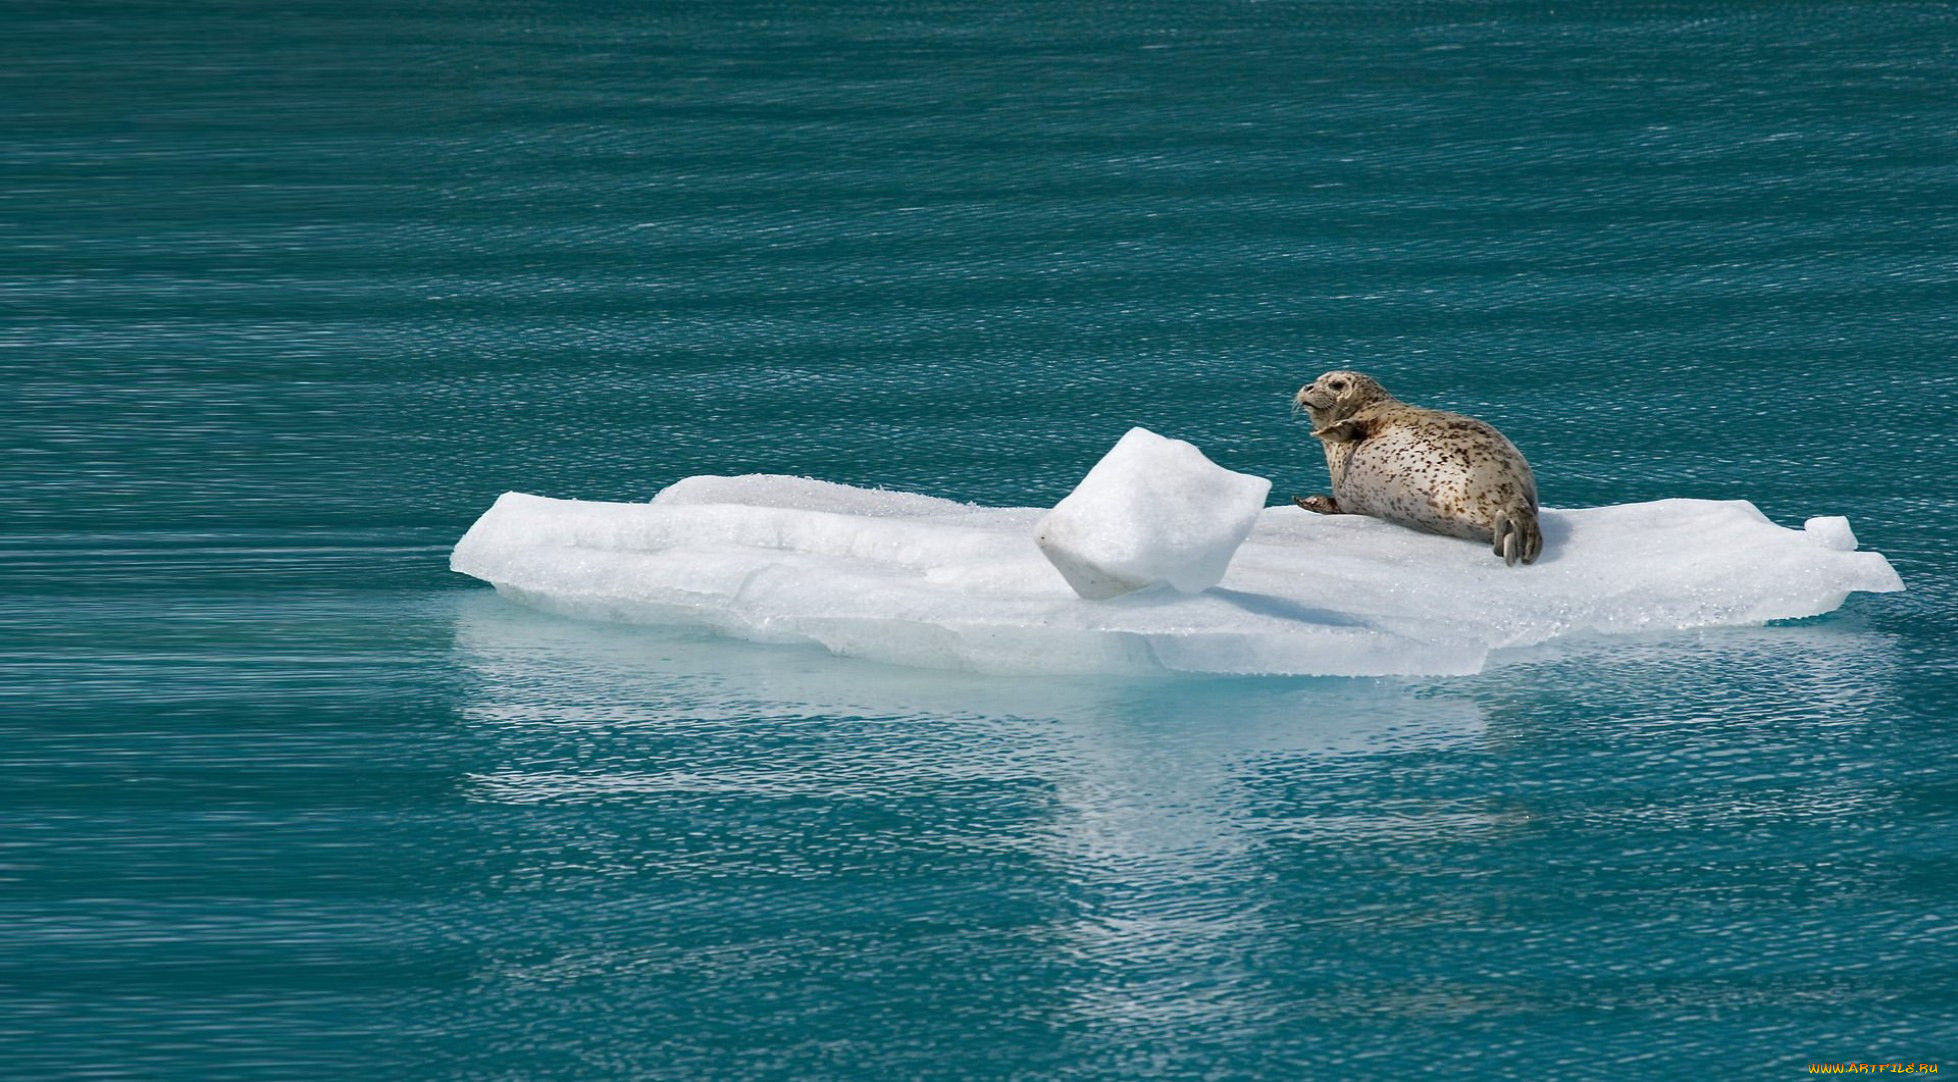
x: 1337, y: 385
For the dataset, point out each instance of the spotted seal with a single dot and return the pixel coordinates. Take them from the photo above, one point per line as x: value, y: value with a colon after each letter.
x: 1437, y: 472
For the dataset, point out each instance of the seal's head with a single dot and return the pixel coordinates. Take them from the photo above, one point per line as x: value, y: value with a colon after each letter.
x: 1338, y: 395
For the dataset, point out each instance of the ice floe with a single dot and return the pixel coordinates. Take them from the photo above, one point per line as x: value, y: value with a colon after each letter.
x: 916, y: 580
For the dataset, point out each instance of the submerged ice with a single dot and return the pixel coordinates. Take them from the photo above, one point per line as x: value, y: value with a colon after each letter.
x: 916, y: 580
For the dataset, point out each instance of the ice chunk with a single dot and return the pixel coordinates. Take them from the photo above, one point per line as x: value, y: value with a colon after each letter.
x: 1831, y: 531
x: 915, y: 580
x: 1152, y: 511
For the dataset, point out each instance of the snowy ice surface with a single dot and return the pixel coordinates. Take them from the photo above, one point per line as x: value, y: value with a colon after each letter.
x: 1153, y: 511
x: 916, y: 580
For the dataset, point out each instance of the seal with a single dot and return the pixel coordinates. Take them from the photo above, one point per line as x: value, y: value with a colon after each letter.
x: 1433, y: 471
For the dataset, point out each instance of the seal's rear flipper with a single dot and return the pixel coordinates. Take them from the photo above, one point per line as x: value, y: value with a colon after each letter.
x: 1517, y: 536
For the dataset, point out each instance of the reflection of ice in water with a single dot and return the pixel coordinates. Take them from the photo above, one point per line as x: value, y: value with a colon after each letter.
x: 1156, y: 847
x: 1165, y: 829
x: 1141, y: 783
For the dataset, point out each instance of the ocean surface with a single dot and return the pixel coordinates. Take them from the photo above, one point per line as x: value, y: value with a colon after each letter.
x: 290, y: 293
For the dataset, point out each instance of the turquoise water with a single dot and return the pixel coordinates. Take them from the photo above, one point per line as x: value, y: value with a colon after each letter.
x: 291, y: 294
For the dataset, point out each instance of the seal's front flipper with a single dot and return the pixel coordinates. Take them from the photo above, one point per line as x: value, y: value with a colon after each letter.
x: 1351, y: 430
x: 1319, y: 505
x: 1517, y: 536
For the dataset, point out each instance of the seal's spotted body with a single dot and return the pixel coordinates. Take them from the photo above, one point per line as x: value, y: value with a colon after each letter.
x: 1430, y: 470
